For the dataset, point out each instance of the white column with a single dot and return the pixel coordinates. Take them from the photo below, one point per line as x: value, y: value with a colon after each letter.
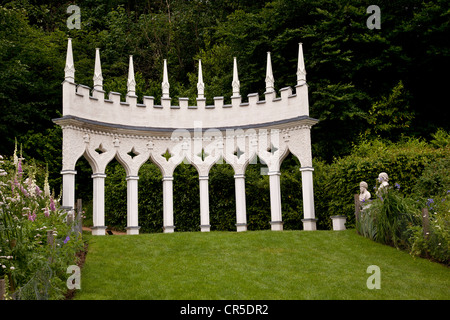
x: 99, y: 204
x: 275, y: 201
x: 68, y: 188
x: 309, y: 221
x: 204, y: 204
x: 132, y: 205
x: 168, y: 226
x: 241, y: 209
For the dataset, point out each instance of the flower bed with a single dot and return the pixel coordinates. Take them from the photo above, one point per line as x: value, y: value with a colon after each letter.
x: 37, y: 240
x: 397, y: 220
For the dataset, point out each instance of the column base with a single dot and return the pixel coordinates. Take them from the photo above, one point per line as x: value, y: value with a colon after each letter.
x: 240, y: 227
x: 168, y: 229
x: 338, y: 222
x: 276, y: 225
x: 205, y: 228
x: 98, y: 230
x: 309, y: 224
x: 133, y: 230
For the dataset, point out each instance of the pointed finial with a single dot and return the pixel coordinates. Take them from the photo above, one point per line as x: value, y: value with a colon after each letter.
x: 69, y: 69
x: 165, y: 83
x: 301, y: 72
x: 98, y: 78
x: 131, y: 83
x: 235, y: 84
x: 200, y: 84
x: 269, y: 75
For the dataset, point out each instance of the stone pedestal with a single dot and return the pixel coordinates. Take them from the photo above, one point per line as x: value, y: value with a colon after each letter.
x: 309, y: 224
x: 339, y: 222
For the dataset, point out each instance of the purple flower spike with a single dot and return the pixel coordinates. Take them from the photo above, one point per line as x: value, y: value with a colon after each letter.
x: 52, y: 205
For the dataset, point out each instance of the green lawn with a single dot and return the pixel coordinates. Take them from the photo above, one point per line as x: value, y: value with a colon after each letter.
x: 254, y: 265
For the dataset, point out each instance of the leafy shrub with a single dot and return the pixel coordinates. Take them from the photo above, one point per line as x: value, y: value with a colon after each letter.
x: 435, y: 244
x: 435, y: 179
x: 336, y: 183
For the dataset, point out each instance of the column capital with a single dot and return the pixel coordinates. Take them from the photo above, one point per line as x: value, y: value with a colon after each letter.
x: 98, y: 175
x: 306, y: 169
x: 68, y: 171
x: 203, y: 177
x: 132, y: 178
x: 167, y: 178
x: 274, y: 173
x: 241, y: 176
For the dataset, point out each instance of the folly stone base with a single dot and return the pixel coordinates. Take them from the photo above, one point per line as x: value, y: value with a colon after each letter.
x: 309, y: 224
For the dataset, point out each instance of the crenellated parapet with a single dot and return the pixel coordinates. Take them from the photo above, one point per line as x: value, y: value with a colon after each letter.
x: 94, y: 104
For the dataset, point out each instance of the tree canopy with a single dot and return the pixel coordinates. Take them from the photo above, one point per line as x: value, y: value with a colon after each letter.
x: 363, y: 83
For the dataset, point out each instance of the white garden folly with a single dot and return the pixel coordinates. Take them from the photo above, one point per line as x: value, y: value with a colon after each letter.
x: 101, y: 129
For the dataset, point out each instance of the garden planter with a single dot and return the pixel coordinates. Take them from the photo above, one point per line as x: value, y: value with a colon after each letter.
x: 338, y: 222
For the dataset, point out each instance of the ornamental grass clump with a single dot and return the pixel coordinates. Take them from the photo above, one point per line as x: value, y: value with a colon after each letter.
x: 388, y: 218
x: 31, y: 218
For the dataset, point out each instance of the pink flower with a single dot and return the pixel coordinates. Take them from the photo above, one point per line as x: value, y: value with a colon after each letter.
x: 38, y: 191
x: 52, y: 204
x: 32, y: 217
x: 19, y: 168
x: 46, y: 212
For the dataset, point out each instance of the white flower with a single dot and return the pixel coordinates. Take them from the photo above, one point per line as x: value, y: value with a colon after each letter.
x: 12, y: 268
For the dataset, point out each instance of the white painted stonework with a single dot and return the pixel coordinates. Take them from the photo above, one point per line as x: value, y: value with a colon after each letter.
x: 102, y: 127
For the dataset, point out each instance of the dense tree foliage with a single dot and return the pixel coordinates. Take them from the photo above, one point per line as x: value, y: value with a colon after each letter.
x: 363, y: 84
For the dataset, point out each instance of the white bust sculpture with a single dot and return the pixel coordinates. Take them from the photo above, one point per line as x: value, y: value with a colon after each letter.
x: 383, y: 180
x: 364, y: 194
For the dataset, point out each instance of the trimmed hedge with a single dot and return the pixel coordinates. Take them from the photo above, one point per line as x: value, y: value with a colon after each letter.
x: 414, y: 164
x: 404, y: 162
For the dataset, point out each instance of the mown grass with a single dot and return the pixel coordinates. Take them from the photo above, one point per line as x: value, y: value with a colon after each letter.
x: 254, y: 265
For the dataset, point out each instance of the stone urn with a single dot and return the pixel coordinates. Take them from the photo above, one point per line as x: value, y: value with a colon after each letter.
x: 339, y: 222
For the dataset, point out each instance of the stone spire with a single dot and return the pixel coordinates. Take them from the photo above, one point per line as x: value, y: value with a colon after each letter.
x: 69, y: 69
x: 165, y: 83
x: 301, y: 72
x: 235, y: 84
x: 269, y: 75
x: 200, y: 84
x: 98, y: 78
x: 131, y: 83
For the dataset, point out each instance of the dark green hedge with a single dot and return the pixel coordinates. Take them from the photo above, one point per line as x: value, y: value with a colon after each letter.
x: 417, y: 166
x: 404, y: 162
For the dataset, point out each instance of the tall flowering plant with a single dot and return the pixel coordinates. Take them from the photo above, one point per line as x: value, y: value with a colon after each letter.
x: 31, y: 218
